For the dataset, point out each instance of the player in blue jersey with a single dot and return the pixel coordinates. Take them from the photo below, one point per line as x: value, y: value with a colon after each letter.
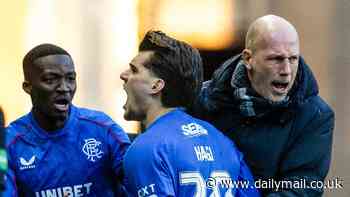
x: 59, y: 149
x: 177, y: 155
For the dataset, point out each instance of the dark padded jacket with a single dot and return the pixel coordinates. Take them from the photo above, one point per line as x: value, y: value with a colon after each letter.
x: 287, y: 143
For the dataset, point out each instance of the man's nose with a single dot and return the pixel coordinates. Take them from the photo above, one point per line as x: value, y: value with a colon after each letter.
x: 63, y: 86
x: 285, y: 68
x: 124, y: 75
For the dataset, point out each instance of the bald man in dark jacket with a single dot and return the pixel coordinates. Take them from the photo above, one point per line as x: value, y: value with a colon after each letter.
x: 266, y: 100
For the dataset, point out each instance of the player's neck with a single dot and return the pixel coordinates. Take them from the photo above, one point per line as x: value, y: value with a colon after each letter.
x: 47, y: 123
x: 154, y: 113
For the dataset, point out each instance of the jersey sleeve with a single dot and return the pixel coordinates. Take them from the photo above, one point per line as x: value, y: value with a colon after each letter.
x: 245, y: 177
x: 160, y: 178
x: 118, y: 142
x: 152, y: 177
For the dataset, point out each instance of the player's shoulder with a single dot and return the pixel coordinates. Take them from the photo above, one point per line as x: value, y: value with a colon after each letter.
x: 95, y: 117
x: 208, y: 127
x: 147, y: 149
x: 157, y: 138
x: 17, y: 128
x: 181, y: 124
x: 199, y: 127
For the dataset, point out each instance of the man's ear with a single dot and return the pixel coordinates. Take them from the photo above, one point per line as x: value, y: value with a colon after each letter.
x: 157, y: 86
x: 247, y: 56
x: 27, y: 87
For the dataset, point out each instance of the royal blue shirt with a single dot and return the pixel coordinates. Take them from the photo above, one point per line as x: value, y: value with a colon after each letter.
x: 83, y: 158
x: 179, y: 155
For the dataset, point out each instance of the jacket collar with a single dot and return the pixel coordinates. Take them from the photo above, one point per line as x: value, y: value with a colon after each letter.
x: 220, y: 90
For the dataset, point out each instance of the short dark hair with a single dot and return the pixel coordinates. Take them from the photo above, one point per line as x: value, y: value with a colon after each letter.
x: 39, y: 51
x: 178, y: 64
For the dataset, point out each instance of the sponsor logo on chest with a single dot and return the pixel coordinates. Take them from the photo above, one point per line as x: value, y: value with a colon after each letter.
x: 27, y: 164
x: 67, y: 191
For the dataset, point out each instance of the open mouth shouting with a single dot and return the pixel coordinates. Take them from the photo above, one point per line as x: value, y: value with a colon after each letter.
x: 62, y: 104
x: 280, y: 87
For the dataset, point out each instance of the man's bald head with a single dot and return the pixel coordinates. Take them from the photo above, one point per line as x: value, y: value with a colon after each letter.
x: 268, y: 27
x: 271, y: 56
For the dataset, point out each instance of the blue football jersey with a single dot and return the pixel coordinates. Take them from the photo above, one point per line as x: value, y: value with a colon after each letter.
x: 82, y: 159
x: 179, y: 155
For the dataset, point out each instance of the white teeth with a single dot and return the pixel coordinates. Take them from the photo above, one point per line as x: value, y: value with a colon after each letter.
x: 62, y: 107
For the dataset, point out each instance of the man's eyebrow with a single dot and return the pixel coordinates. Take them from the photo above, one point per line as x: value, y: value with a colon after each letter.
x: 294, y: 55
x: 58, y: 73
x: 274, y: 55
x: 50, y: 73
x: 132, y: 65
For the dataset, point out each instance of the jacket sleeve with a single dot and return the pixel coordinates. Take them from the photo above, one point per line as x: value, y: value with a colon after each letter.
x: 308, y: 157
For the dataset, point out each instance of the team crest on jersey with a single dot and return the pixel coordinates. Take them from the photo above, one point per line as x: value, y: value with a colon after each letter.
x: 92, y: 149
x: 27, y: 164
x: 193, y: 130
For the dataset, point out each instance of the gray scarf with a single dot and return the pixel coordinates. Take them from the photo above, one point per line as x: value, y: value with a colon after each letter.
x: 250, y: 102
